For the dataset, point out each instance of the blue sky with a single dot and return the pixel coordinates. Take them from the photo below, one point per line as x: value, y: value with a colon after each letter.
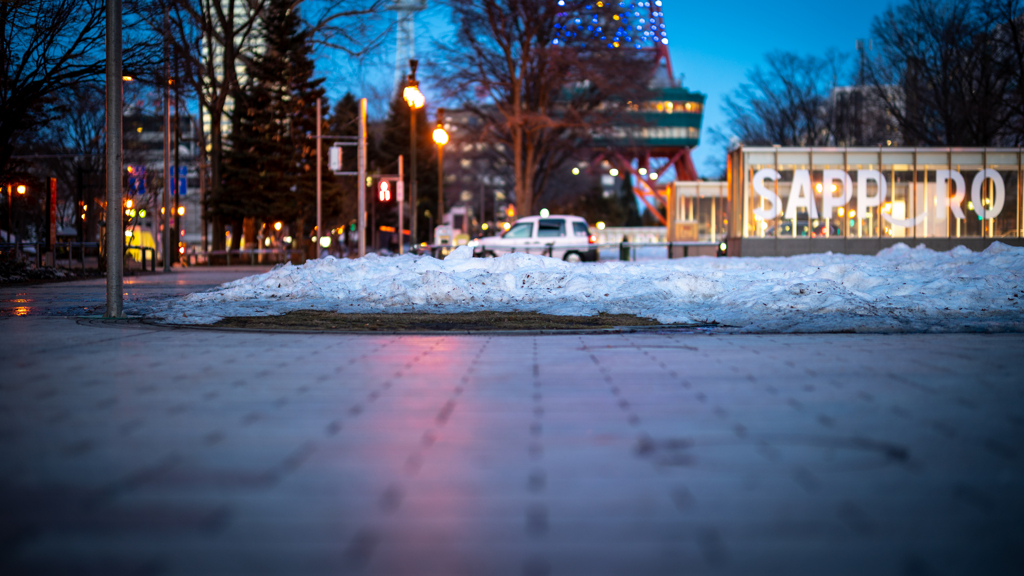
x: 713, y: 44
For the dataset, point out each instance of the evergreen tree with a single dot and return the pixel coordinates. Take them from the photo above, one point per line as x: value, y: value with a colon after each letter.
x: 270, y: 170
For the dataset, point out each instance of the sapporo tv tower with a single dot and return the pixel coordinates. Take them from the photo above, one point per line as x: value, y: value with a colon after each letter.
x: 656, y: 150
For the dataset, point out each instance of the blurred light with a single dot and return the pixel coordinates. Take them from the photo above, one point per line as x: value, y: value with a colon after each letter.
x: 614, y: 171
x: 127, y: 233
x: 654, y: 175
x: 325, y: 241
x: 130, y: 169
x: 576, y: 171
x: 128, y: 204
x: 833, y: 188
x: 181, y: 210
x: 181, y: 249
x: 722, y: 246
x: 277, y: 226
x: 142, y: 213
x: 127, y: 78
x: 970, y: 205
x: 840, y: 211
x: 506, y: 225
x: 266, y: 241
x: 600, y: 225
x: 817, y: 187
x: 21, y: 189
x: 287, y: 239
x: 161, y: 210
x: 440, y: 136
x: 544, y: 213
x: 642, y: 171
x: 510, y: 211
x: 853, y: 213
x: 484, y: 226
x: 413, y: 97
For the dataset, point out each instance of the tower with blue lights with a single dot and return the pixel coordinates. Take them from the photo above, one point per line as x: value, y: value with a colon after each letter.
x: 656, y: 150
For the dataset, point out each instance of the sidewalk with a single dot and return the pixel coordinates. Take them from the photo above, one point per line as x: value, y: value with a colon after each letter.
x: 89, y: 297
x: 130, y: 449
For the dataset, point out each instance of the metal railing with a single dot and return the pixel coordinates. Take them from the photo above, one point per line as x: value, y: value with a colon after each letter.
x: 69, y: 249
x: 277, y: 256
x: 626, y: 248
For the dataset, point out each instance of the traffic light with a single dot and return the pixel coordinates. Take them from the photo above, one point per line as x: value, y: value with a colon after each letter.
x: 384, y: 191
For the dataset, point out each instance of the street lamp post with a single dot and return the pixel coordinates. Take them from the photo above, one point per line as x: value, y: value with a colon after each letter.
x: 441, y: 138
x: 414, y: 98
x: 114, y: 96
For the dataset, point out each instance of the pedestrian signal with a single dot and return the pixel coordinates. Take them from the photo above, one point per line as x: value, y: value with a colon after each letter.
x: 385, y: 191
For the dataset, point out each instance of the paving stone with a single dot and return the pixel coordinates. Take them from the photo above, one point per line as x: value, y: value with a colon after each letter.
x: 128, y: 449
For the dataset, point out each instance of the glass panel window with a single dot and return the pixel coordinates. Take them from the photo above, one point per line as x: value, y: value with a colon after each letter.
x: 887, y: 193
x: 580, y: 229
x: 521, y: 230
x: 551, y: 228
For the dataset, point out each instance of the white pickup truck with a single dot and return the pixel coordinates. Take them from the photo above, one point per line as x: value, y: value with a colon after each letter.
x: 558, y: 236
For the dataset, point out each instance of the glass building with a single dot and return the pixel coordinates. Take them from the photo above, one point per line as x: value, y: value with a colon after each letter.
x: 786, y: 201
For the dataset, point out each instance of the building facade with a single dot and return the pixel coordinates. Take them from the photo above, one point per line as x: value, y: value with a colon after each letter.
x: 785, y: 201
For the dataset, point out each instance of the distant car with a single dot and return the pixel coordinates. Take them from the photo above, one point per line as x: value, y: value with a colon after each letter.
x: 558, y: 236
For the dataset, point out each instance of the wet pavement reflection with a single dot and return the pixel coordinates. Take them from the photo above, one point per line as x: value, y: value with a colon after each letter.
x: 130, y: 449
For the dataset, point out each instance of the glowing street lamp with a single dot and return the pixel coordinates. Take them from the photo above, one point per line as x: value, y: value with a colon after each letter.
x: 440, y: 138
x: 414, y: 98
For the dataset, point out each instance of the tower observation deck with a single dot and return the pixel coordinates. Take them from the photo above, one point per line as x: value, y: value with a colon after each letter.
x: 668, y: 123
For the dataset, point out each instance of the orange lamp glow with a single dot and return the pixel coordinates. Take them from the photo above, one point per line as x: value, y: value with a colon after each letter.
x: 440, y: 136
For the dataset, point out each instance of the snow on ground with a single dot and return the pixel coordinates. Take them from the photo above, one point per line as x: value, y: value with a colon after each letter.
x: 899, y: 290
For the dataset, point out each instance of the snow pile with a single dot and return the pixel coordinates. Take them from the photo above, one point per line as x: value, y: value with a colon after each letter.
x: 899, y: 290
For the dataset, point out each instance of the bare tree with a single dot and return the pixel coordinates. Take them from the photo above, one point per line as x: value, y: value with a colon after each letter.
x: 540, y: 98
x: 50, y: 46
x: 789, y: 102
x: 214, y: 38
x: 954, y: 67
x: 1006, y: 17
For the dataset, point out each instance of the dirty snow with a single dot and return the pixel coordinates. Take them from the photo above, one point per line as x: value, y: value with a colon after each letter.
x: 899, y: 290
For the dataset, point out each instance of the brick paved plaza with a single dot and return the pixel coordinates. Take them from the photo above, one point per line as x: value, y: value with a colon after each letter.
x: 133, y: 449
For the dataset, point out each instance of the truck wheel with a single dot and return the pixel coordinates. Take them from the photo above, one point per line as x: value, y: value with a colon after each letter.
x: 573, y: 257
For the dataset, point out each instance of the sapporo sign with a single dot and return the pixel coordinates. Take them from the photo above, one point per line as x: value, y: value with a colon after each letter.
x: 837, y: 189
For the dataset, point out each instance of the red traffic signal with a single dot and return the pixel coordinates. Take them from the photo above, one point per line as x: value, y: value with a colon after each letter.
x: 384, y: 190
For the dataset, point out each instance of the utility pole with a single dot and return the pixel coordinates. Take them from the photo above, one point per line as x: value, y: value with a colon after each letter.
x: 361, y: 185
x: 413, y: 144
x: 400, y: 196
x: 115, y: 236
x: 166, y: 204
x: 177, y: 164
x: 319, y: 178
x: 440, y: 170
